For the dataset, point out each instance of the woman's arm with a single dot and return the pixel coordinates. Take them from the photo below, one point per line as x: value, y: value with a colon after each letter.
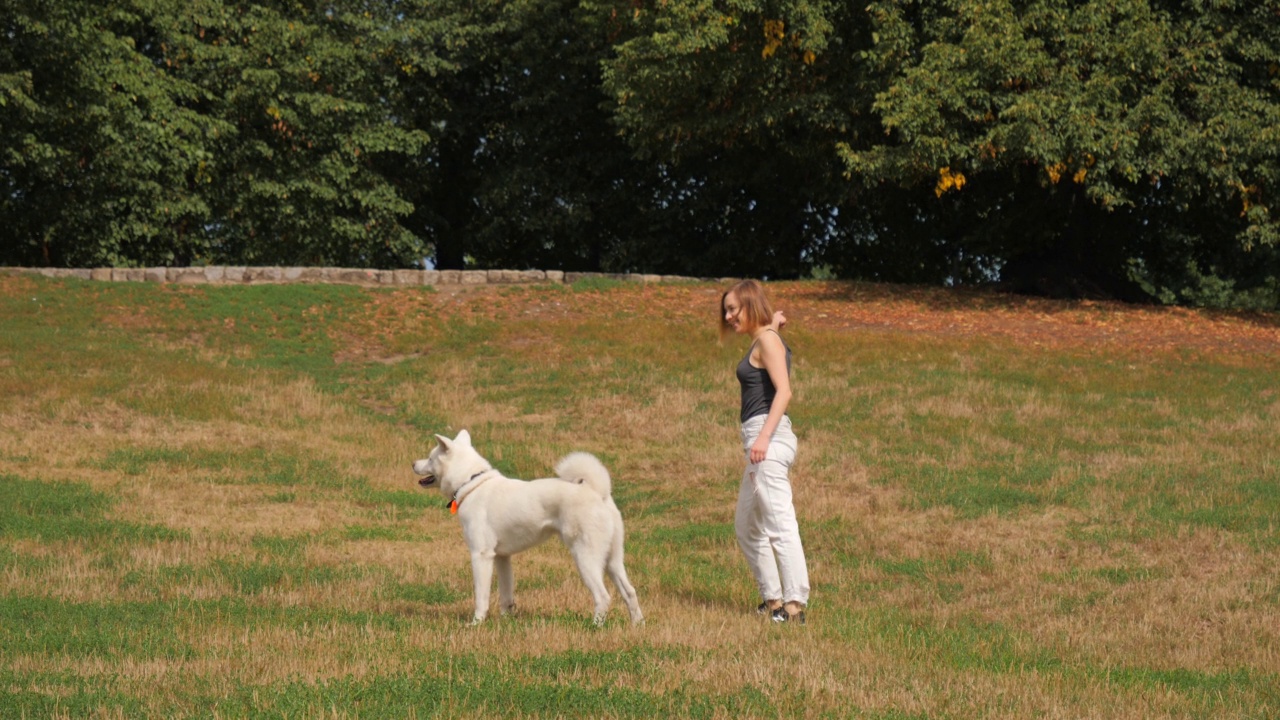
x: 773, y: 355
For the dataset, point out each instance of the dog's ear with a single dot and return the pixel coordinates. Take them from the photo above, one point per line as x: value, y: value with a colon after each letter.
x: 445, y: 443
x: 464, y: 438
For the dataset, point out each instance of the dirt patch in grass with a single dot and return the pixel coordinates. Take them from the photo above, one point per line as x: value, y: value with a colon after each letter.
x: 1084, y: 326
x: 1034, y: 322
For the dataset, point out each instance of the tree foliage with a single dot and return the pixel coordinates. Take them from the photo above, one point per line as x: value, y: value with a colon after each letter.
x: 1060, y: 146
x: 179, y: 131
x: 1105, y: 115
x: 1126, y: 147
x: 97, y: 143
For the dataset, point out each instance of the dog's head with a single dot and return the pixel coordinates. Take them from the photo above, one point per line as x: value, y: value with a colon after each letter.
x: 451, y: 464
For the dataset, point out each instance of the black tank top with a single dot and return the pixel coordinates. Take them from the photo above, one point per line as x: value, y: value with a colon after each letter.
x: 757, y: 388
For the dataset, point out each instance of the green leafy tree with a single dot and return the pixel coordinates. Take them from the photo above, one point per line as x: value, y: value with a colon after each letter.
x: 167, y: 131
x: 1106, y: 115
x: 528, y: 169
x: 1126, y: 148
x: 1064, y: 147
x: 306, y: 93
x: 742, y: 105
x: 98, y: 146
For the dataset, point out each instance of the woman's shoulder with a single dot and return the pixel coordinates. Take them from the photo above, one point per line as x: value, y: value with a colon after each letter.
x: 771, y: 340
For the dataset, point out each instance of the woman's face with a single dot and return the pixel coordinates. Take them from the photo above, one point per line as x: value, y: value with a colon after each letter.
x: 733, y: 312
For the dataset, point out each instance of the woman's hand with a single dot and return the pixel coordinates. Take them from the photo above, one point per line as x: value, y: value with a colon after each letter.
x: 778, y: 320
x: 759, y: 449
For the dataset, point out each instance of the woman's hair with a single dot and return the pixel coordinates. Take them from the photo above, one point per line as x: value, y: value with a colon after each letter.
x: 755, y: 310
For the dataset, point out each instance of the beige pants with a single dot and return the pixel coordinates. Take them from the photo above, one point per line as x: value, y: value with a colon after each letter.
x: 765, y: 520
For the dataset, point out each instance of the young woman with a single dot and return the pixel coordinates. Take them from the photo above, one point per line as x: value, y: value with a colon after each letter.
x: 765, y: 520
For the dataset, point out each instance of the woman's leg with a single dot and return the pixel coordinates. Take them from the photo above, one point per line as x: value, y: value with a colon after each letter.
x: 755, y: 543
x: 778, y: 516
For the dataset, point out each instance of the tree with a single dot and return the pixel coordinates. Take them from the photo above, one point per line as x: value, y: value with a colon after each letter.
x: 181, y: 131
x: 1126, y: 148
x: 1061, y: 147
x: 1106, y: 115
x: 305, y: 94
x: 741, y: 102
x: 528, y: 170
x: 98, y: 147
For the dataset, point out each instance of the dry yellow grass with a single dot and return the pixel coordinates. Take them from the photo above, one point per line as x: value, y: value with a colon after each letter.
x: 1108, y: 588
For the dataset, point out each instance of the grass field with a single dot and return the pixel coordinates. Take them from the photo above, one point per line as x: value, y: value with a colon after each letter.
x: 1011, y: 509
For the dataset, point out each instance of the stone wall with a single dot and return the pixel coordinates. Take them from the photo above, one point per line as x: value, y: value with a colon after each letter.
x: 223, y: 275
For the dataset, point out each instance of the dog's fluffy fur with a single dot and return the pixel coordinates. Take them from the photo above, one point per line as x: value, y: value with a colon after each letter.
x: 502, y: 516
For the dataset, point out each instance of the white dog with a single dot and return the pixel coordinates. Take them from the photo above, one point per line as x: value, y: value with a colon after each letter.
x: 502, y: 516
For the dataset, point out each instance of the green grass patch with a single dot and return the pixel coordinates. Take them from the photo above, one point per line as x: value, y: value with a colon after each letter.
x: 424, y: 594
x: 283, y: 324
x: 596, y: 284
x: 1218, y: 692
x: 1000, y: 488
x: 1213, y: 499
x: 253, y: 578
x: 54, y: 511
x: 65, y: 693
x: 449, y: 692
x: 252, y: 466
x: 373, y: 532
x: 691, y: 535
x: 276, y: 546
x: 401, y: 505
x: 93, y: 629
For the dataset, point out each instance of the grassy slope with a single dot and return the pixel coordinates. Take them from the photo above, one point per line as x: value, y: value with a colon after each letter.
x: 208, y: 511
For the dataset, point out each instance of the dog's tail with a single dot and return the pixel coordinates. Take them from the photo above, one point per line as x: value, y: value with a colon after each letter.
x: 581, y: 467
